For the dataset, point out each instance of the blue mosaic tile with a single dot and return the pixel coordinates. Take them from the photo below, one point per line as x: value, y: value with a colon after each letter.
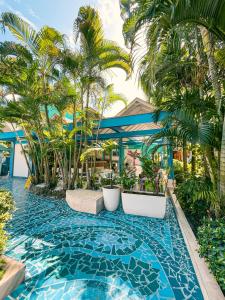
x: 72, y: 255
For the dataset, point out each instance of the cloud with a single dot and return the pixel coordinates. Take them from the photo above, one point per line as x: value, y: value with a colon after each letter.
x: 109, y: 11
x: 8, y: 7
x: 112, y: 22
x: 70, y: 40
x: 20, y: 14
x: 25, y: 18
x: 33, y: 14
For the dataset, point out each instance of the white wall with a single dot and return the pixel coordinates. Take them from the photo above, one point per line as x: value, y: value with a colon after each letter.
x: 20, y: 168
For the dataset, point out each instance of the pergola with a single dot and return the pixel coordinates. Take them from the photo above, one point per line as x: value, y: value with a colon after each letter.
x: 117, y: 126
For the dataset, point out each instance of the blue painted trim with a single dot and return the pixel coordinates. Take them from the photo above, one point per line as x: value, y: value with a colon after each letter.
x: 116, y: 122
x: 11, y: 163
x: 11, y: 136
x: 131, y: 120
x: 24, y: 142
x: 124, y: 134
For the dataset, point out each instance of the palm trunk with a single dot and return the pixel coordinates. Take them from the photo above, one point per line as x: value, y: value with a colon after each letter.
x: 193, y: 160
x: 85, y: 137
x: 74, y: 155
x: 209, y: 50
x: 185, y: 156
x: 222, y: 162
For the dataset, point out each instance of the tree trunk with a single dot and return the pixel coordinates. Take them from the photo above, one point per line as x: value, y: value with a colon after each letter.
x: 85, y: 138
x: 193, y: 160
x: 222, y: 162
x: 185, y: 156
x: 209, y: 49
x: 213, y: 72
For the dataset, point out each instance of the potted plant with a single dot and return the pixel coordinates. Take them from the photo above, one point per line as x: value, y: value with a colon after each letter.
x: 128, y: 179
x: 111, y: 192
x: 141, y: 202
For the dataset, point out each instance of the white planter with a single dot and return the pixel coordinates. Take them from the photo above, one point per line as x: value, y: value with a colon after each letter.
x: 144, y: 204
x: 111, y: 197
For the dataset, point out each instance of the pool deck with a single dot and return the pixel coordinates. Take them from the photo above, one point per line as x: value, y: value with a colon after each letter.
x: 73, y: 255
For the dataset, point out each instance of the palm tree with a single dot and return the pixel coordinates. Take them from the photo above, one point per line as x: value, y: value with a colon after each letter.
x: 159, y: 18
x: 64, y: 81
x: 104, y: 147
x: 98, y: 55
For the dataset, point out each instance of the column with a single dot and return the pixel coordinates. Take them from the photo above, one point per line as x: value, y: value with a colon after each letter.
x: 170, y: 161
x: 11, y: 163
x: 121, y: 155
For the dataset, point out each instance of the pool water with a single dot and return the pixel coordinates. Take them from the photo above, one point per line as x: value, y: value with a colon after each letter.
x: 72, y: 255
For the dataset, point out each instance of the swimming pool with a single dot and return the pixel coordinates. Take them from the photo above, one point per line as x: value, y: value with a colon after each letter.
x: 72, y: 255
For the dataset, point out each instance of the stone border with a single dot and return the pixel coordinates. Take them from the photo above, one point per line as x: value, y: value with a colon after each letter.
x: 209, y: 286
x: 14, y: 276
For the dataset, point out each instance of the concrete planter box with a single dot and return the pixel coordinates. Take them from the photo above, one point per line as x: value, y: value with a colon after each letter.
x: 14, y: 276
x: 144, y: 204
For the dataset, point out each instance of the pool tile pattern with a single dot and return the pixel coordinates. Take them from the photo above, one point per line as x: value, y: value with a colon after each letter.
x: 72, y: 255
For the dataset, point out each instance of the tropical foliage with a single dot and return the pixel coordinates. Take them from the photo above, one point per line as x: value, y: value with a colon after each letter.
x: 6, y: 208
x: 45, y: 85
x: 212, y: 247
x: 182, y: 72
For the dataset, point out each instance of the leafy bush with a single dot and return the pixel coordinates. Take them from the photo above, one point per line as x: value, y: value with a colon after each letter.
x: 194, y: 196
x: 211, y: 237
x: 128, y: 180
x: 150, y: 168
x: 6, y: 208
x: 178, y: 171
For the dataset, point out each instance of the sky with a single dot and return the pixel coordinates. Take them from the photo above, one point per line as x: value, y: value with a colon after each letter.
x: 61, y: 14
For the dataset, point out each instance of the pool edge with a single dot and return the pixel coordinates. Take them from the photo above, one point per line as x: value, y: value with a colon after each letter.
x: 208, y: 284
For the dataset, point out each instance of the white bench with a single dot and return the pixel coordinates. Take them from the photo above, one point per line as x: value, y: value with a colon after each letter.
x: 85, y: 200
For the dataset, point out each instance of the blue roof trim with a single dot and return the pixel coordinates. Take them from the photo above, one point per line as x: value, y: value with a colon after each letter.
x: 11, y: 136
x: 125, y: 134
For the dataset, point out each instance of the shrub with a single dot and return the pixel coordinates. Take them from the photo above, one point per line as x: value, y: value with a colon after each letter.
x: 128, y: 180
x: 178, y: 171
x: 6, y: 208
x: 211, y: 237
x: 194, y: 197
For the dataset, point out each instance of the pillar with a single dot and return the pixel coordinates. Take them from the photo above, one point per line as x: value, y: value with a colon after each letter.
x: 170, y: 161
x: 121, y: 155
x: 11, y: 163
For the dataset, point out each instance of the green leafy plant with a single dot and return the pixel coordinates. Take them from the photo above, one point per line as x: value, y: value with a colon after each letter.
x: 6, y: 208
x: 128, y: 180
x: 211, y: 237
x: 150, y: 170
x: 178, y: 171
x: 194, y: 196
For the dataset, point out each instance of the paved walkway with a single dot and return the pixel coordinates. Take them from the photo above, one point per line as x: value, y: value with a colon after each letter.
x: 71, y: 255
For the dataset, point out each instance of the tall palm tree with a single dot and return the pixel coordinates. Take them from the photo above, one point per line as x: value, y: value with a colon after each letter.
x: 98, y: 55
x: 159, y: 18
x: 64, y: 81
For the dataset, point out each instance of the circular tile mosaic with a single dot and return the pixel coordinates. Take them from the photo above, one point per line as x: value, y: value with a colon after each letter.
x: 71, y: 255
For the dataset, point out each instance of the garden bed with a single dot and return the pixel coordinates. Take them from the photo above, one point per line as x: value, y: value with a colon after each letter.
x: 13, y: 276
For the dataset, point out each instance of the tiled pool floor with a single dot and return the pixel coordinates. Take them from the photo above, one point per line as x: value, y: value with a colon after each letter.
x: 71, y: 255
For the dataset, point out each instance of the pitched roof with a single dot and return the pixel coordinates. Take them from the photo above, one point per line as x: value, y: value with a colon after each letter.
x: 136, y: 107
